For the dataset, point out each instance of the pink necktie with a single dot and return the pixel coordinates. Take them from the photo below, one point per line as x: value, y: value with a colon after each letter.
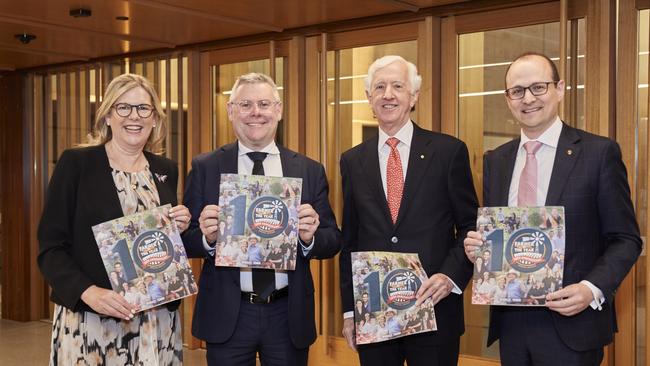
x: 527, y: 195
x: 394, y: 178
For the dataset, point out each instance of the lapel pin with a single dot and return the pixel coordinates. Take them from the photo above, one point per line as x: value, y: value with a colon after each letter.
x: 421, y: 156
x: 161, y: 177
x: 569, y: 152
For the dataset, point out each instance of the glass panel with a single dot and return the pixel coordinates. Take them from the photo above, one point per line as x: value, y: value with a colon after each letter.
x: 642, y: 275
x: 224, y: 77
x: 485, y: 122
x: 350, y: 120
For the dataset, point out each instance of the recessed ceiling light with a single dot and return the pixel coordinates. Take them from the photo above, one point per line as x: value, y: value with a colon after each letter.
x: 25, y: 38
x: 122, y: 17
x: 80, y: 13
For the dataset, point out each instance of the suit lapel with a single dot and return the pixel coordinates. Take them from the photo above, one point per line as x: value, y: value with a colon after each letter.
x: 105, y: 185
x: 228, y: 160
x: 160, y: 178
x: 290, y: 166
x: 504, y: 168
x: 421, y: 154
x: 369, y: 162
x: 568, y: 152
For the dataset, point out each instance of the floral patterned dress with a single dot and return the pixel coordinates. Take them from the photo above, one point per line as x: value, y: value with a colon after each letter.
x: 153, y: 337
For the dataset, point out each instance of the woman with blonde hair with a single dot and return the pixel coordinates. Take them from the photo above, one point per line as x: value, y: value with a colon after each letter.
x: 116, y: 173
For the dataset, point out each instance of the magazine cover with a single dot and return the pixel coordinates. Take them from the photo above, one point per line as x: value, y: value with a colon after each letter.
x: 258, y: 221
x: 522, y: 256
x: 145, y: 259
x: 385, y: 284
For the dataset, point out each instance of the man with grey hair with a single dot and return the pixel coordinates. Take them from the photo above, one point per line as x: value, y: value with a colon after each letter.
x: 242, y: 313
x: 408, y: 190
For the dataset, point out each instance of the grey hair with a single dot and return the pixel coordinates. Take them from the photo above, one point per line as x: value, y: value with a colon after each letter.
x: 415, y: 80
x: 254, y: 78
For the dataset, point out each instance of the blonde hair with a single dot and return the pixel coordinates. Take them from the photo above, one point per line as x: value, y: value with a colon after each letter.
x: 254, y: 78
x: 102, y: 133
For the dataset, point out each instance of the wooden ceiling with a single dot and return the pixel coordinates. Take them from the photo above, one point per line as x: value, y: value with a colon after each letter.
x: 162, y: 24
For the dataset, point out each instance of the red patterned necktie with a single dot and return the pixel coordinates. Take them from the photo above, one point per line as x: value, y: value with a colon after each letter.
x: 527, y: 193
x: 394, y: 178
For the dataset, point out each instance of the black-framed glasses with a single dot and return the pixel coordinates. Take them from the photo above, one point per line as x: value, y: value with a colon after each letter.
x: 246, y: 106
x: 124, y: 109
x: 536, y: 89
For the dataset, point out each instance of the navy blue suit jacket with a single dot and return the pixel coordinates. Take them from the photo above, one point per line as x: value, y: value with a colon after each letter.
x: 602, y: 236
x: 217, y: 303
x: 438, y: 208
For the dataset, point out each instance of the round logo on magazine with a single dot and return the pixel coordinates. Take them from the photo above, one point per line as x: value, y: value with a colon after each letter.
x: 528, y: 250
x: 399, y: 288
x: 153, y: 251
x: 268, y: 217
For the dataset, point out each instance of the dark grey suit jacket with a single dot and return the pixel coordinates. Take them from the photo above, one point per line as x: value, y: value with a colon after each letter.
x: 438, y: 208
x: 602, y: 236
x: 217, y: 304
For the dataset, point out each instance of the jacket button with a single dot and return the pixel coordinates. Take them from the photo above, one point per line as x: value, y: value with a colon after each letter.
x: 394, y: 240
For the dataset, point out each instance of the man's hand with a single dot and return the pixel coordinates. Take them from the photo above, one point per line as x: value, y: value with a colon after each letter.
x: 348, y: 333
x: 437, y: 287
x: 108, y: 302
x: 307, y: 223
x: 570, y: 300
x: 209, y: 222
x: 472, y: 244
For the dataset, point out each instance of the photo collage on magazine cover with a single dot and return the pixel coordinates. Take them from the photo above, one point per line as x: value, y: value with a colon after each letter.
x: 522, y: 256
x: 258, y: 221
x: 385, y: 285
x: 145, y: 259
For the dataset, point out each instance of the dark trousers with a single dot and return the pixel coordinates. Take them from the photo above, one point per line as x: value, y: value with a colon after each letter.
x: 261, y: 329
x: 529, y: 337
x: 416, y: 350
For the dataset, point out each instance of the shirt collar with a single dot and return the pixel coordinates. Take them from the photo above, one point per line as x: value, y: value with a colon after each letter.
x: 550, y: 137
x: 271, y: 149
x: 404, y: 135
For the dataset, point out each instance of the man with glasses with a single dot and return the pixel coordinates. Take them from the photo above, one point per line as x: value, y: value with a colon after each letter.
x: 553, y: 164
x: 241, y: 313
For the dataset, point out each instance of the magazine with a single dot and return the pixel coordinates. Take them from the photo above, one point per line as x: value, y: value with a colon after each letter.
x: 522, y: 256
x: 385, y: 285
x: 258, y: 221
x: 145, y: 259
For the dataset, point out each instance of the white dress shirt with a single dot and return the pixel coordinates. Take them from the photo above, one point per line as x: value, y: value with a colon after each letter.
x: 272, y: 168
x: 545, y: 157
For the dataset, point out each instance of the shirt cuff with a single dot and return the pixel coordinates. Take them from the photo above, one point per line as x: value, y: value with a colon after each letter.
x: 207, y: 246
x: 348, y: 315
x: 456, y: 289
x: 306, y: 249
x: 599, y: 298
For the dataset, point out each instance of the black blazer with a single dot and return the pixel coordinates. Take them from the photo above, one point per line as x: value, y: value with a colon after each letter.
x: 80, y: 195
x: 602, y: 236
x: 217, y: 304
x: 438, y: 208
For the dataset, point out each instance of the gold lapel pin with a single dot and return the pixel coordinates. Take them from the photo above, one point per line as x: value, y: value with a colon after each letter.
x: 569, y: 152
x: 421, y: 156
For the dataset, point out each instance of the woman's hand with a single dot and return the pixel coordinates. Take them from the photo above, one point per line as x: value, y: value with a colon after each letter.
x: 181, y: 215
x: 108, y: 302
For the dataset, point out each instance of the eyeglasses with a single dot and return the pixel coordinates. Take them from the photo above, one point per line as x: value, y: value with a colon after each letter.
x: 124, y: 109
x: 246, y: 106
x: 536, y: 89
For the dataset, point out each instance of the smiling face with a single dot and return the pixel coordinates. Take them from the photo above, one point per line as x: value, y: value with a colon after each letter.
x: 255, y: 129
x: 132, y: 132
x: 391, y: 96
x: 534, y: 113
